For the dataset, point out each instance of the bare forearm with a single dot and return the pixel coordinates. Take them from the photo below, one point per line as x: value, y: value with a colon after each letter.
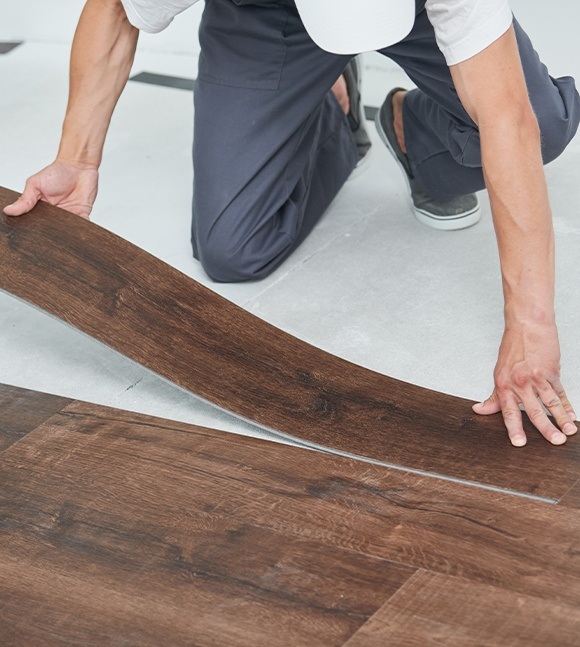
x: 102, y: 55
x: 493, y: 90
x: 522, y: 216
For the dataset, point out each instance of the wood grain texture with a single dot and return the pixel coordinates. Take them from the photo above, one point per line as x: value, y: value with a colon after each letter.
x: 22, y: 410
x: 433, y: 610
x: 95, y: 484
x: 111, y: 533
x: 183, y: 331
x: 123, y: 529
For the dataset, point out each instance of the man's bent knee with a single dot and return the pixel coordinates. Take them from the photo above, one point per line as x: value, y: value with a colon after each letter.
x: 222, y: 265
x: 225, y: 263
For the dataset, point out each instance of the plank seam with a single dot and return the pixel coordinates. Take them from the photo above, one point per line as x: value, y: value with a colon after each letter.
x: 407, y: 583
x: 572, y: 487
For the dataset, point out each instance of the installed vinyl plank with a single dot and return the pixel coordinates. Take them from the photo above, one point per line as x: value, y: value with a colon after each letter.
x: 114, y: 523
x: 433, y: 610
x: 22, y: 410
x: 181, y: 330
x: 119, y: 528
x: 111, y: 533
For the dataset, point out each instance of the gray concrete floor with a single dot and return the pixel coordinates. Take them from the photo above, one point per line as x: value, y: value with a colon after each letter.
x: 371, y: 284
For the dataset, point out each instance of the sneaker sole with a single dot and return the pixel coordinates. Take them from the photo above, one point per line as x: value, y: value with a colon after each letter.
x: 444, y: 223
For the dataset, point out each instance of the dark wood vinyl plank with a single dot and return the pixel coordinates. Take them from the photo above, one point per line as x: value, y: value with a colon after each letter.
x: 433, y: 610
x: 133, y: 500
x: 22, y: 410
x: 111, y: 533
x: 119, y: 528
x: 183, y: 331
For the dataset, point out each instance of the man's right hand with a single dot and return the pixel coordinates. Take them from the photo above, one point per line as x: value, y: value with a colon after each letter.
x: 70, y: 186
x: 101, y: 59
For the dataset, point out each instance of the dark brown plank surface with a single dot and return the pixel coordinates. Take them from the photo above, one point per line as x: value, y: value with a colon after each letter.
x: 111, y: 533
x: 22, y: 410
x: 145, y: 309
x: 433, y: 610
x: 117, y: 528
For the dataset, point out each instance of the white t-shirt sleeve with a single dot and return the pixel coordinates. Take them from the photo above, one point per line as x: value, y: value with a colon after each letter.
x: 154, y: 16
x: 464, y: 28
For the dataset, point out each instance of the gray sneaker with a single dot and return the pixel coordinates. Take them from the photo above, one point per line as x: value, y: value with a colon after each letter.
x: 458, y: 213
x: 356, y: 118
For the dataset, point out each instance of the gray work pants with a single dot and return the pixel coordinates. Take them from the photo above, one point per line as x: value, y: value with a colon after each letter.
x: 272, y: 146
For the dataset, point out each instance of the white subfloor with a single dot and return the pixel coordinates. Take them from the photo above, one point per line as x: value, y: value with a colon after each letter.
x: 371, y: 284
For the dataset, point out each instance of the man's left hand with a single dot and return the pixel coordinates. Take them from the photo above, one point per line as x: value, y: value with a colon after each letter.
x: 528, y: 373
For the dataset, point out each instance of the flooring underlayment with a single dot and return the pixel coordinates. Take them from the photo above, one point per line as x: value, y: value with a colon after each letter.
x: 371, y: 284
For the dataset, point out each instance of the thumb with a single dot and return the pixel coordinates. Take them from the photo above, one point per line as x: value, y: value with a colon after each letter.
x: 489, y: 406
x: 24, y: 204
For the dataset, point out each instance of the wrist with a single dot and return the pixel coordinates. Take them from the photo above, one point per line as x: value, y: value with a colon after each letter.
x: 531, y: 298
x: 521, y: 315
x: 78, y: 152
x: 76, y: 162
x: 81, y: 143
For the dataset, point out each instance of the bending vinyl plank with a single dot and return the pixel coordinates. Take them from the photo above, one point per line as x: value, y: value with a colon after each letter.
x: 150, y: 312
x: 431, y: 610
x: 21, y: 411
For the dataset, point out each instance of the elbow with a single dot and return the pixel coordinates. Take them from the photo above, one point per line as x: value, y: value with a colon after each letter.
x: 518, y: 116
x: 516, y: 125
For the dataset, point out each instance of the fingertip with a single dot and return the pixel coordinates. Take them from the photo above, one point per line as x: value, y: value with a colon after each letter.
x: 569, y: 429
x: 486, y: 408
x: 14, y: 209
x: 558, y: 438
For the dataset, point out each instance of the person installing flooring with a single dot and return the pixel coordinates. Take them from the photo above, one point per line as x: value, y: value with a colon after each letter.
x: 279, y: 128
